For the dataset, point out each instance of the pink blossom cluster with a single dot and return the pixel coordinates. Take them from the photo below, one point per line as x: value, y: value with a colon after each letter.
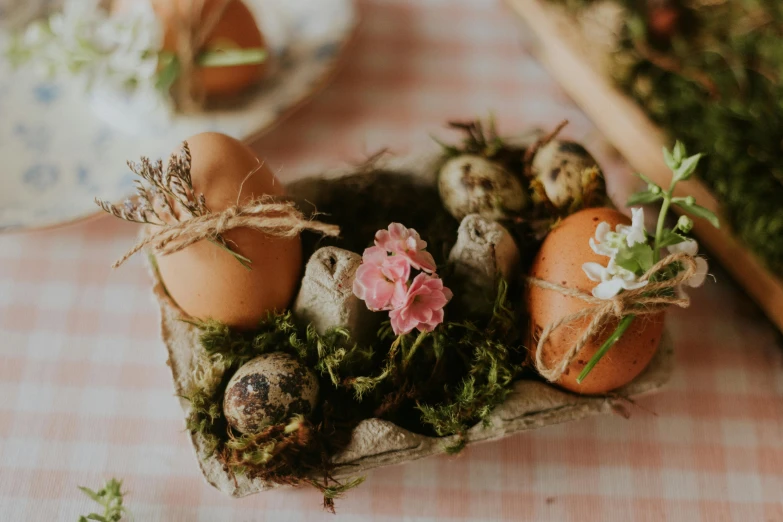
x: 383, y: 281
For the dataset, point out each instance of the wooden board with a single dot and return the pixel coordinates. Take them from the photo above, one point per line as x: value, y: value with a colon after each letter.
x: 562, y: 48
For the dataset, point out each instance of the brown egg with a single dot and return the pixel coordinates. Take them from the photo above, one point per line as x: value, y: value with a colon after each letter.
x: 236, y: 29
x: 208, y: 282
x: 560, y: 261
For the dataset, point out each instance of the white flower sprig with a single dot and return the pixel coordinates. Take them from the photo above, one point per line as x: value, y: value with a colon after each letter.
x: 632, y: 252
x: 613, y: 278
x: 124, y: 51
x: 84, y: 40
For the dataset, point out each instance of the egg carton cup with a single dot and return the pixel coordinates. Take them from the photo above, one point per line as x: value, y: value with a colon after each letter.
x: 325, y: 299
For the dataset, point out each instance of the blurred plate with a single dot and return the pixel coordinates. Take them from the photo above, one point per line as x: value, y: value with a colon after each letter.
x: 58, y: 150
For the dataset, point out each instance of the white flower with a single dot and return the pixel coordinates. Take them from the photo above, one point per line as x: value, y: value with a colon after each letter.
x: 120, y: 50
x: 611, y: 279
x: 35, y: 35
x: 608, y: 243
x: 601, y: 244
x: 691, y: 247
x: 635, y: 233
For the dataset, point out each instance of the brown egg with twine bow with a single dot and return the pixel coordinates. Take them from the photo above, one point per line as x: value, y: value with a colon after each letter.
x: 206, y: 280
x: 227, y: 246
x: 192, y: 28
x: 558, y: 290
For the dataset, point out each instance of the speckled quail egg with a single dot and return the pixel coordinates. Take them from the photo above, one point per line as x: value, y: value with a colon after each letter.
x: 471, y: 184
x: 269, y: 389
x: 563, y: 168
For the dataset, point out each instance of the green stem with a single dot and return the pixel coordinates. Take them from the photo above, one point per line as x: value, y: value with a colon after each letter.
x: 667, y: 200
x: 231, y: 57
x: 625, y: 322
x: 416, y: 344
x: 239, y: 257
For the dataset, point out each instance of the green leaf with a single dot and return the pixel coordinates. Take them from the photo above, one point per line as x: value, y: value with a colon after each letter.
x: 646, y: 179
x: 679, y: 152
x: 668, y: 158
x: 90, y: 493
x: 626, y: 259
x: 699, y: 211
x: 169, y: 71
x: 643, y: 197
x: 96, y: 516
x: 231, y: 57
x: 669, y: 238
x: 686, y: 168
x: 629, y: 264
x: 638, y: 258
x: 643, y: 253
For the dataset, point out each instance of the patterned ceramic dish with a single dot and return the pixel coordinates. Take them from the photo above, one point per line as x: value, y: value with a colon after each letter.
x: 58, y: 149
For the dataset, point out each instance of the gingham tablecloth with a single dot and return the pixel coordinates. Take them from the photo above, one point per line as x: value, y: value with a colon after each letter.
x: 85, y: 393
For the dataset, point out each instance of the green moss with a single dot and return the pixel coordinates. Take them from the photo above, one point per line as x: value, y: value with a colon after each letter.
x: 438, y: 383
x: 493, y: 367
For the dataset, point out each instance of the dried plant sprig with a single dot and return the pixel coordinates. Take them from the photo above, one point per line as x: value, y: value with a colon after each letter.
x: 159, y: 192
x: 279, y: 219
x: 478, y: 138
x: 166, y: 199
x: 542, y: 140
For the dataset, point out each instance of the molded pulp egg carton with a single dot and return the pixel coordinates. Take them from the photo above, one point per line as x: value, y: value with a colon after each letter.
x: 325, y: 299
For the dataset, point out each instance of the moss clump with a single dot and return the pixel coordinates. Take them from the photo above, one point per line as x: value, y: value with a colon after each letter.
x: 294, y: 452
x: 711, y: 74
x: 439, y: 383
x: 368, y: 201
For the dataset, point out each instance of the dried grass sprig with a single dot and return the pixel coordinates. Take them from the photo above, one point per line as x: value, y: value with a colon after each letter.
x: 166, y: 199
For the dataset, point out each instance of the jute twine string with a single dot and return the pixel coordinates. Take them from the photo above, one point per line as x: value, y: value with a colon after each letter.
x: 278, y: 219
x: 192, y: 34
x: 641, y: 301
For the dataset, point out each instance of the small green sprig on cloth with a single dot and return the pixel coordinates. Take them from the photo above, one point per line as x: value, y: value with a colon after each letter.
x: 110, y: 497
x: 634, y: 261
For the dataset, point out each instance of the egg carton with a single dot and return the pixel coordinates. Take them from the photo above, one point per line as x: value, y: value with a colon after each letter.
x: 325, y: 299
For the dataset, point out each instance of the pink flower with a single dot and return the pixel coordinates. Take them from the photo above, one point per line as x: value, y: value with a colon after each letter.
x: 405, y: 242
x: 381, y: 280
x: 423, y: 306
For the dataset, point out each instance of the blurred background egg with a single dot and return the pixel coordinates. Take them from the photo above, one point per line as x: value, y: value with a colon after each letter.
x: 205, y: 280
x: 236, y: 29
x: 560, y: 261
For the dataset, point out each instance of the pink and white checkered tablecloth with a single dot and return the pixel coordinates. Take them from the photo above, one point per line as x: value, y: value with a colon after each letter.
x: 85, y: 393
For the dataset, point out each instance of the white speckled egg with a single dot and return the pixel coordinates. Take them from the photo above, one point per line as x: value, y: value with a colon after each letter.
x: 470, y: 184
x: 269, y: 389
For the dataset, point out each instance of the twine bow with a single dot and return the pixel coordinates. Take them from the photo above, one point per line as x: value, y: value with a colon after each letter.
x: 646, y: 300
x: 278, y: 219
